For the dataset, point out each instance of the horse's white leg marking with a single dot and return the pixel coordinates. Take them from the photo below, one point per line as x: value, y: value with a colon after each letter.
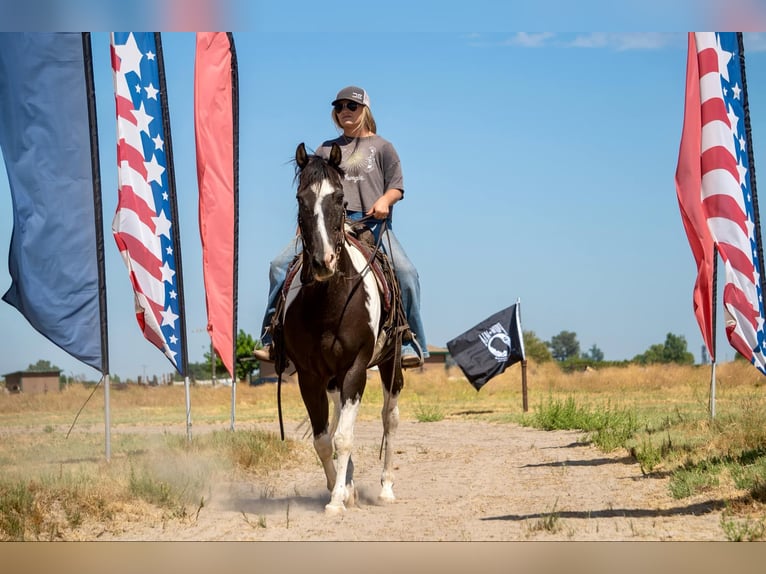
x: 323, y: 446
x: 322, y: 190
x: 344, y: 439
x: 390, y: 415
x: 372, y: 301
x: 335, y: 399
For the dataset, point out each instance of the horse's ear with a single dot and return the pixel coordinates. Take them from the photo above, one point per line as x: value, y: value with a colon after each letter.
x: 301, y: 157
x: 335, y: 155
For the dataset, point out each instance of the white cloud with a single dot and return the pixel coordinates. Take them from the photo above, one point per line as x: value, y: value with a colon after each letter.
x: 631, y: 41
x: 534, y: 40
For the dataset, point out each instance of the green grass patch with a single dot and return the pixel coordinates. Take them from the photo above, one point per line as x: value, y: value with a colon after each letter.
x: 695, y: 478
x: 428, y: 413
x: 607, y: 427
x: 742, y: 529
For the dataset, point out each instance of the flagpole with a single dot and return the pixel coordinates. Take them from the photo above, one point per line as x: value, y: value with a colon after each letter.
x: 184, y: 366
x: 751, y: 162
x: 99, y: 223
x: 524, y: 397
x: 235, y: 167
x: 713, y: 316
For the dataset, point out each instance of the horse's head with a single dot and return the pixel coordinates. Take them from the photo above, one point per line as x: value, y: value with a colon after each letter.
x: 321, y: 212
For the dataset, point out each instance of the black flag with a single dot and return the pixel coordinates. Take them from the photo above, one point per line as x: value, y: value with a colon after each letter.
x: 488, y: 348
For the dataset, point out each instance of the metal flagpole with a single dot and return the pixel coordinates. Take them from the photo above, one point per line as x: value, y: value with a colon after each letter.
x: 188, y: 409
x: 713, y: 342
x: 99, y: 222
x: 107, y: 419
x: 751, y: 162
x: 184, y: 367
x: 235, y: 167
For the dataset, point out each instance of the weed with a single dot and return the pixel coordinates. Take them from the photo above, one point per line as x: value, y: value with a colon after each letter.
x: 647, y: 455
x: 428, y: 413
x: 155, y: 491
x: 549, y: 522
x: 608, y: 428
x: 17, y: 511
x: 742, y: 530
x: 694, y: 478
x: 252, y: 449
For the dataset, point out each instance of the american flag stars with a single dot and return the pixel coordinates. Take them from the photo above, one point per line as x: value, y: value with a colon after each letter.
x: 142, y: 226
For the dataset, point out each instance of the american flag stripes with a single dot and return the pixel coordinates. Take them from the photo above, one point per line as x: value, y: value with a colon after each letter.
x: 722, y: 187
x: 143, y: 225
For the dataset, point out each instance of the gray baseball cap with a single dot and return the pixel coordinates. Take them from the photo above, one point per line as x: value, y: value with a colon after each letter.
x: 354, y: 94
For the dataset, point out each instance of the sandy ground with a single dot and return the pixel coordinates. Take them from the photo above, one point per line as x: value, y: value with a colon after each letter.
x: 455, y: 481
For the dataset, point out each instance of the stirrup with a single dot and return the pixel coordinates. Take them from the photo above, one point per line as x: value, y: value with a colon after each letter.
x: 416, y: 360
x: 264, y: 354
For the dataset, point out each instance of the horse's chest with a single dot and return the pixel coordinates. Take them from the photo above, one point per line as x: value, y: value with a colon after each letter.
x: 350, y: 302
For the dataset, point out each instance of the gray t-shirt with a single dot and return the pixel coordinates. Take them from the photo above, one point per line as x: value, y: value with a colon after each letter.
x: 372, y: 166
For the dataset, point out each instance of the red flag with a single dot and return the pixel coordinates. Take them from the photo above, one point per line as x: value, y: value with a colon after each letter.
x: 688, y: 186
x: 215, y: 128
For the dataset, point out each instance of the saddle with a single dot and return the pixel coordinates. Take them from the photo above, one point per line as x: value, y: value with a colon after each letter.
x: 395, y: 327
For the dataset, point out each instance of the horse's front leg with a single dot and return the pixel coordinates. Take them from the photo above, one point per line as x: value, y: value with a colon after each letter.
x: 316, y: 400
x: 352, y: 389
x: 392, y: 381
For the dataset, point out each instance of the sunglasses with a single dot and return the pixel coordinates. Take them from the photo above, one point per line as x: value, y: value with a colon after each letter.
x: 351, y: 106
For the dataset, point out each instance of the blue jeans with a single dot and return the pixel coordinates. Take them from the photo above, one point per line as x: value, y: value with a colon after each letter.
x: 409, y: 280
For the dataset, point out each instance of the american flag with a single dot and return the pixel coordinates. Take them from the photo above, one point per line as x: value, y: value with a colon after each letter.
x: 725, y: 190
x: 143, y: 225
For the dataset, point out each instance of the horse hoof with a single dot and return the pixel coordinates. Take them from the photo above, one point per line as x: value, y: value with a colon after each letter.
x: 386, y: 496
x: 334, y: 509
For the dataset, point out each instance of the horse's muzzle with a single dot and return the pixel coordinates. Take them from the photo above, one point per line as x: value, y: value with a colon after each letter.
x: 322, y: 272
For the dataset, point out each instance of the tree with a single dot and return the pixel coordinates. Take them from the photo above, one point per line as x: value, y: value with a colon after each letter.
x: 42, y: 365
x: 245, y: 365
x: 564, y: 346
x: 594, y: 354
x: 673, y: 351
x: 534, y: 348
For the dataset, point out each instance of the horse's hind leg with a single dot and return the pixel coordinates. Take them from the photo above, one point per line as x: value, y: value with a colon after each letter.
x: 390, y: 416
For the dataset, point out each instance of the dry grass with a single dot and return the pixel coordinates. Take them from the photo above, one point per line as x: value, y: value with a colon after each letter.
x: 53, y: 487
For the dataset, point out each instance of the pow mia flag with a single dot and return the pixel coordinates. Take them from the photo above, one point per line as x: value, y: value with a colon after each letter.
x: 488, y: 348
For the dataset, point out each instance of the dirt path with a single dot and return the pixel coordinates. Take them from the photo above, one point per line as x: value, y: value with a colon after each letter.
x: 455, y: 481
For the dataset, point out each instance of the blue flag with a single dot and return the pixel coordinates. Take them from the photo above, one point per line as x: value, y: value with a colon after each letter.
x: 45, y: 137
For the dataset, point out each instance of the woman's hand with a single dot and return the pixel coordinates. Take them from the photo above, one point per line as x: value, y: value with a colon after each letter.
x: 381, y: 209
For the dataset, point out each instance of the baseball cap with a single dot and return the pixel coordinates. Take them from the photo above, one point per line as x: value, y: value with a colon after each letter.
x: 354, y: 94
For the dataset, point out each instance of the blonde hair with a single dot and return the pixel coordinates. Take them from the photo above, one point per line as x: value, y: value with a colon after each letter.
x: 368, y: 122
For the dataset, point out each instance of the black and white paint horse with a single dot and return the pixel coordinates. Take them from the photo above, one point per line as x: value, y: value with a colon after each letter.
x: 332, y: 319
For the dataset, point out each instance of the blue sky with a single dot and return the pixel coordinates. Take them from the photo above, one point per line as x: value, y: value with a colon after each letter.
x: 537, y: 166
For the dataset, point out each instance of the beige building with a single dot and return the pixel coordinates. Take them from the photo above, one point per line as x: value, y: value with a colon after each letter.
x: 33, y: 382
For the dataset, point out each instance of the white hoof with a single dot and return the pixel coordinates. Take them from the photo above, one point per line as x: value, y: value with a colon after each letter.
x: 386, y: 495
x: 334, y: 509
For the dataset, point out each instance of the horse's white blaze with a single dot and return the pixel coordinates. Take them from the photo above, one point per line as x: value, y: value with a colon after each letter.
x: 322, y: 190
x: 372, y: 301
x: 344, y: 441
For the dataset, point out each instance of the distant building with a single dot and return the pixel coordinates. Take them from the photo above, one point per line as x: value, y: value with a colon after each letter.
x: 33, y: 382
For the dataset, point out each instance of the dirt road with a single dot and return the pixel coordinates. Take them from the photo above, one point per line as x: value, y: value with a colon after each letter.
x: 455, y: 481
